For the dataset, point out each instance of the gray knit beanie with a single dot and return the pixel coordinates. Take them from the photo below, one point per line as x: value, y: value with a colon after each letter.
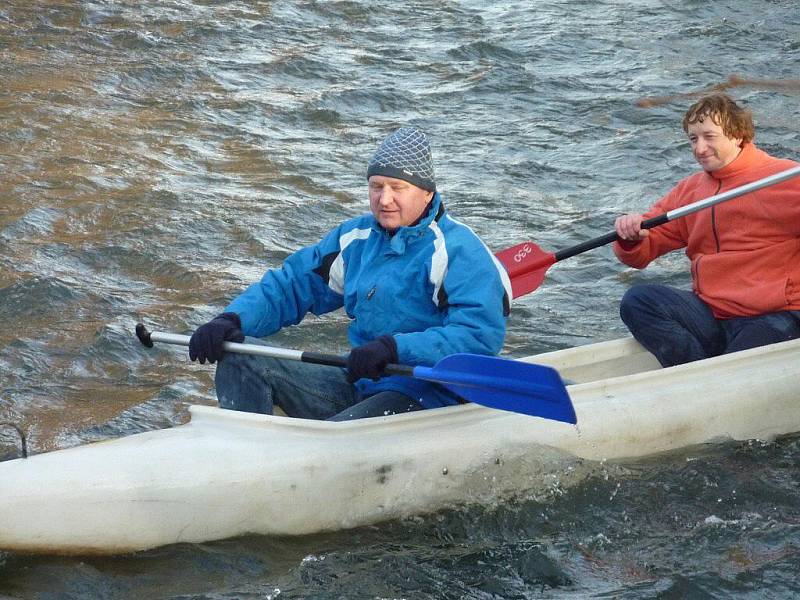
x: 406, y: 155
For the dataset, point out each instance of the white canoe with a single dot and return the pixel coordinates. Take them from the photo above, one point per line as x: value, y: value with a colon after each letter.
x: 226, y: 473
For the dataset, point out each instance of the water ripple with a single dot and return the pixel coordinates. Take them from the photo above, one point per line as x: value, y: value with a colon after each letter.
x: 156, y: 157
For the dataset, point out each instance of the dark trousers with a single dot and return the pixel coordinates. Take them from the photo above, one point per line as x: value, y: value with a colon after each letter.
x: 257, y: 383
x: 678, y: 327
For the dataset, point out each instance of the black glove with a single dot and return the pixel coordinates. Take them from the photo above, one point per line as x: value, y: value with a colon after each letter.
x: 206, y: 341
x: 369, y: 360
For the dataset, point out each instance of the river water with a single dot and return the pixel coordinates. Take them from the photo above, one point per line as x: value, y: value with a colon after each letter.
x: 157, y: 156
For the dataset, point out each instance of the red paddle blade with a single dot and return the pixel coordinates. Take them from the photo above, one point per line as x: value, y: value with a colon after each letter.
x: 526, y: 264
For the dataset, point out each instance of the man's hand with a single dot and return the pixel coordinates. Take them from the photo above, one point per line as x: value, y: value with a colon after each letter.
x: 629, y: 227
x: 206, y: 342
x: 369, y: 360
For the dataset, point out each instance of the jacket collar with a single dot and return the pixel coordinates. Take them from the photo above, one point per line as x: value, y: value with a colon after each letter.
x: 404, y: 235
x: 749, y: 157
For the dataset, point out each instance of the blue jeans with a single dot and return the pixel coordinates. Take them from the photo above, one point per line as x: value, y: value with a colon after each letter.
x: 678, y: 327
x: 256, y: 383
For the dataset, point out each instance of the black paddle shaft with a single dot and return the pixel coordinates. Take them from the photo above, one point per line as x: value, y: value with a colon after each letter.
x: 333, y: 360
x: 606, y: 239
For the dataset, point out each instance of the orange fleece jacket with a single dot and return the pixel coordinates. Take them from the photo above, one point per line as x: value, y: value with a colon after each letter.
x: 745, y: 252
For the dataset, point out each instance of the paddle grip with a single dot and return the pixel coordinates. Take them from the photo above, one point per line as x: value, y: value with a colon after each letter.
x: 329, y: 360
x: 606, y: 239
x: 399, y: 370
x: 655, y: 221
x: 585, y: 246
x: 144, y: 335
x: 341, y: 361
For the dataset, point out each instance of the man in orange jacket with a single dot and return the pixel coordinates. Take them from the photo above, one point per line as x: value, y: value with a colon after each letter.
x: 745, y: 253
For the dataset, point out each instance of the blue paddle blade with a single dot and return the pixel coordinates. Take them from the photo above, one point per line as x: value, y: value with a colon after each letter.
x: 504, y: 384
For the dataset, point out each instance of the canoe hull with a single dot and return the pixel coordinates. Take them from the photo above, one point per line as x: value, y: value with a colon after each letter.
x: 225, y: 473
x: 124, y: 496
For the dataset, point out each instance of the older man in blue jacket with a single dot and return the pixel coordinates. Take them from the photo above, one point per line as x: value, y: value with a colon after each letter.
x: 416, y: 284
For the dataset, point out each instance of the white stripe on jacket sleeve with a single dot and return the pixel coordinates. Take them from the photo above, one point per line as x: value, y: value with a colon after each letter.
x: 336, y: 274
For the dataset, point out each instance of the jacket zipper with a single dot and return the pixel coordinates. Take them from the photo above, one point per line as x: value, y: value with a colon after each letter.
x: 714, y: 218
x: 696, y: 266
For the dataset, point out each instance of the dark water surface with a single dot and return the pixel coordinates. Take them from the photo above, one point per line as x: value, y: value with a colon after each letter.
x: 157, y: 156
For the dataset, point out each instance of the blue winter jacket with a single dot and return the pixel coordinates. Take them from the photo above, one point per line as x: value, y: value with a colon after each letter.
x: 434, y: 286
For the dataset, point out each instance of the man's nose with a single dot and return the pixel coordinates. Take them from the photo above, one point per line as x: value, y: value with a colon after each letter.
x: 700, y: 146
x: 386, y: 195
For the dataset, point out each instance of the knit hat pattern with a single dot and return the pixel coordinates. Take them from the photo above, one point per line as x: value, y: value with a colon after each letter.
x: 406, y: 155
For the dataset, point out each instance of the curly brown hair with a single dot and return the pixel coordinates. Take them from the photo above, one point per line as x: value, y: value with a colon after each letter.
x: 736, y: 122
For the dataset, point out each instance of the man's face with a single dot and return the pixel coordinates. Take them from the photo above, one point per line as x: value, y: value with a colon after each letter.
x: 396, y: 203
x: 710, y: 146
